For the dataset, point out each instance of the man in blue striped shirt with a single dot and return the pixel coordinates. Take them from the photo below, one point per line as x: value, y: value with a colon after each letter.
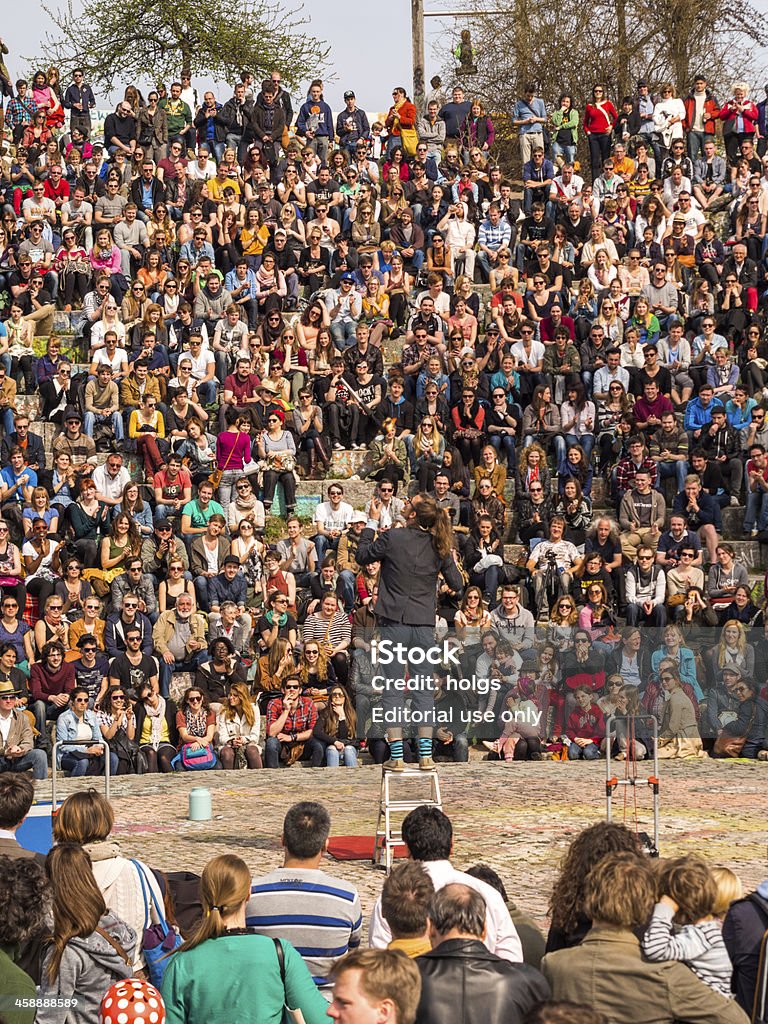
x: 317, y: 912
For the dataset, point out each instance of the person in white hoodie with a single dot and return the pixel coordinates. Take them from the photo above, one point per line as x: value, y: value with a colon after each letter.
x: 428, y: 834
x: 87, y: 818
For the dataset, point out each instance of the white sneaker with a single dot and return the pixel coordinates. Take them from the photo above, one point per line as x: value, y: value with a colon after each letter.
x: 734, y: 501
x: 338, y: 446
x: 354, y: 476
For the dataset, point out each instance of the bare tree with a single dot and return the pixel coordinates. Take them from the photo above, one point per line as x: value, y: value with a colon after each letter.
x: 568, y: 45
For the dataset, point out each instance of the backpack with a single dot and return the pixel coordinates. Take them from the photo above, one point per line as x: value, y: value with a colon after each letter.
x: 198, y: 760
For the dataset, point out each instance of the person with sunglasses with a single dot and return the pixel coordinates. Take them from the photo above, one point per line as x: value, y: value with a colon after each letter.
x: 90, y: 664
x: 14, y: 631
x: 277, y: 446
x: 290, y: 721
x: 679, y: 735
x: 118, y: 726
x: 77, y: 722
x: 195, y: 721
x: 56, y: 392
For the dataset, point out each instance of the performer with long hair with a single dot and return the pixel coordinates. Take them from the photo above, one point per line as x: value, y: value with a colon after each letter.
x: 406, y: 607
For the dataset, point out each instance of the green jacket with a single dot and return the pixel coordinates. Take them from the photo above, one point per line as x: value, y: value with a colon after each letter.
x: 571, y: 121
x: 376, y: 453
x: 551, y: 363
x: 236, y: 978
x: 15, y: 984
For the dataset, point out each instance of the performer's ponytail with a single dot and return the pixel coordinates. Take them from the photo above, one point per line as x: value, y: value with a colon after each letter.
x: 435, y: 520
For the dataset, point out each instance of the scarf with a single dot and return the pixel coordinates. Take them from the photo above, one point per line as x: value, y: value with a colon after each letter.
x: 156, y: 716
x: 195, y: 721
x: 281, y: 619
x: 266, y: 280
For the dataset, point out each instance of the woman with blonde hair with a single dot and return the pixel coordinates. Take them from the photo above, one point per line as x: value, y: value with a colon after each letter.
x: 89, y: 623
x: 563, y: 620
x: 90, y: 946
x: 732, y: 649
x: 612, y: 324
x: 375, y: 312
x: 238, y: 727
x: 428, y: 450
x: 602, y: 271
x: 256, y: 976
x: 532, y: 467
x: 316, y: 672
x: 739, y: 116
x: 669, y: 116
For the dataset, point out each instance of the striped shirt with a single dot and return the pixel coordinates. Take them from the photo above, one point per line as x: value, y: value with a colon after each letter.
x: 335, y: 632
x: 317, y: 913
x: 700, y: 946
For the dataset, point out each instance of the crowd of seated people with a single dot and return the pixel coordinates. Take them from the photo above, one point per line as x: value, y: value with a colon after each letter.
x: 577, y: 376
x: 628, y: 937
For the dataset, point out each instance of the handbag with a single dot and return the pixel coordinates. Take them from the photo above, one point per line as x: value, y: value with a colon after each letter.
x: 409, y: 140
x: 195, y: 760
x: 296, y: 1016
x: 126, y: 749
x: 157, y: 940
x: 281, y: 462
x: 217, y: 474
x: 732, y: 746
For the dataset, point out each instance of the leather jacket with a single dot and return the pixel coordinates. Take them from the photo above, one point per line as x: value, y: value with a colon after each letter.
x: 464, y: 983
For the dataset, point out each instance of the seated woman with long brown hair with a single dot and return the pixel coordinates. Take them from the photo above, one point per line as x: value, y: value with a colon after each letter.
x: 272, y: 668
x: 336, y: 727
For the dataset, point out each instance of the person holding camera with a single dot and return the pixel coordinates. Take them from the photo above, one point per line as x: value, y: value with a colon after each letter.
x: 557, y: 556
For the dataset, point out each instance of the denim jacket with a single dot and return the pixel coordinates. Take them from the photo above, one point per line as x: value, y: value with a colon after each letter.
x: 66, y: 729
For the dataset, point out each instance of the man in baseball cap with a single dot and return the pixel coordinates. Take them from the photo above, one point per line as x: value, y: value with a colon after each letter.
x: 351, y: 124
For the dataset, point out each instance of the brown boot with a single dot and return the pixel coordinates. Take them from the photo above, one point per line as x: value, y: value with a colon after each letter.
x: 322, y: 454
x: 312, y: 472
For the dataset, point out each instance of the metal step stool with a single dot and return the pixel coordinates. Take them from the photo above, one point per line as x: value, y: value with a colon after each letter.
x: 389, y: 837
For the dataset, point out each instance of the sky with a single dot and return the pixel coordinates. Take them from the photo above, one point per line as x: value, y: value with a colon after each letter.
x: 370, y: 68
x: 370, y: 53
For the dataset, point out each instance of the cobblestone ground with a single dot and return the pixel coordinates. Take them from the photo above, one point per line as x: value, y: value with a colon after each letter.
x: 518, y: 818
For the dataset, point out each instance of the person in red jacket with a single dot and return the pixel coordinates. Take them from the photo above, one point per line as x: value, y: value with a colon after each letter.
x: 739, y: 117
x: 402, y: 114
x: 51, y: 680
x: 586, y: 727
x: 599, y: 118
x: 702, y: 111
